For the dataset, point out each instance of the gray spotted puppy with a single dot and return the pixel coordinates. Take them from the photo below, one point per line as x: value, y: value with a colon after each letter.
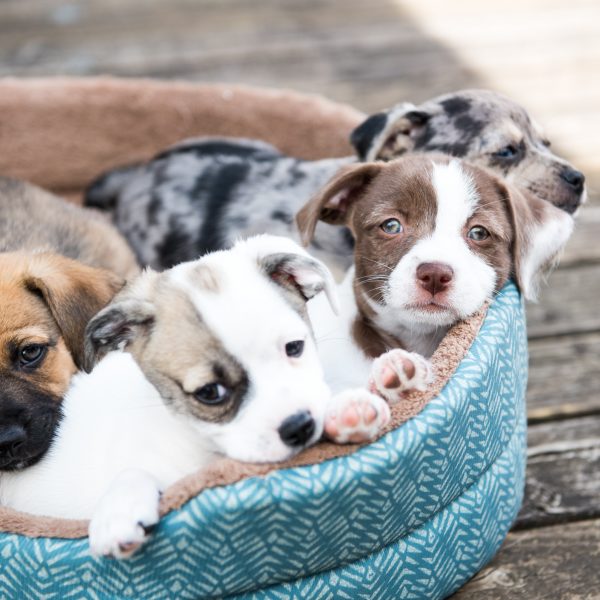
x: 205, y: 193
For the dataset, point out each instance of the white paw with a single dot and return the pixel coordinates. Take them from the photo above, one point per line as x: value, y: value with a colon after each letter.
x: 399, y: 371
x: 125, y: 516
x: 355, y: 416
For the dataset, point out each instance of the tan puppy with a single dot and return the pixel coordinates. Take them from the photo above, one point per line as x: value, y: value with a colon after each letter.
x: 46, y: 300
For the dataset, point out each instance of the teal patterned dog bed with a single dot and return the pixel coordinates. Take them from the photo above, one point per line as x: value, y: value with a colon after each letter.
x: 413, y: 515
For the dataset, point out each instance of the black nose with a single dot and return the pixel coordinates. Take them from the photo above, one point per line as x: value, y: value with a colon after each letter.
x: 12, y: 438
x: 573, y: 178
x: 297, y: 429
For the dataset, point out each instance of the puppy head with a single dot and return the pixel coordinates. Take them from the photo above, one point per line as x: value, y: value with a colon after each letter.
x: 483, y: 127
x: 225, y: 341
x: 46, y: 302
x: 435, y: 238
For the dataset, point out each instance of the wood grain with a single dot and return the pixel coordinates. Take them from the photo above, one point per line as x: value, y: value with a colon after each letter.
x: 548, y: 563
x: 570, y: 303
x: 564, y: 376
x: 563, y: 473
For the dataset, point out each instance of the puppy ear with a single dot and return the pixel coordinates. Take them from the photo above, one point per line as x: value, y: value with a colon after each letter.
x: 390, y: 133
x: 301, y: 275
x: 73, y: 292
x: 540, y: 233
x: 115, y: 327
x: 332, y: 203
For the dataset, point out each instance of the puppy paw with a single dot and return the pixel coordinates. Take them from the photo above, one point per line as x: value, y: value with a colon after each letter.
x: 125, y: 516
x: 399, y: 371
x: 355, y: 416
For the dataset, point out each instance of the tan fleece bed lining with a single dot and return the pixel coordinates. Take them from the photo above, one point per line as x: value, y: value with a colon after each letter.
x: 61, y: 133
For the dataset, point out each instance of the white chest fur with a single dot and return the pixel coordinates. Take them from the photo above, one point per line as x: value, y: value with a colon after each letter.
x: 101, y: 437
x: 344, y: 363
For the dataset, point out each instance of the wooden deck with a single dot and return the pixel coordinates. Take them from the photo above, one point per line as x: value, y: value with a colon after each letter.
x: 544, y: 53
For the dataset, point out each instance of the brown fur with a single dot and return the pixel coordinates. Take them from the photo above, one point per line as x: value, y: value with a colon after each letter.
x: 34, y: 220
x: 196, y: 359
x: 46, y: 300
x: 363, y: 196
x: 174, y: 347
x: 49, y: 298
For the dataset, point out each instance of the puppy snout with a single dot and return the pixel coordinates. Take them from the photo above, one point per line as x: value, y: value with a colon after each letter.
x: 434, y: 277
x: 297, y: 430
x: 12, y: 437
x: 573, y: 178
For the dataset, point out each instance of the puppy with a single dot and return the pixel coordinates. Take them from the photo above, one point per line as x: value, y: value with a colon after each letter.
x: 219, y: 360
x: 435, y: 238
x: 203, y: 194
x: 46, y: 300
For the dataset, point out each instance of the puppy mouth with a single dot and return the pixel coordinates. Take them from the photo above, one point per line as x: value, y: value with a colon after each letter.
x: 18, y: 463
x: 432, y: 311
x: 431, y: 306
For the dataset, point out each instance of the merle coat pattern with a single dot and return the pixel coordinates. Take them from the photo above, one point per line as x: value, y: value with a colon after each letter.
x: 205, y: 193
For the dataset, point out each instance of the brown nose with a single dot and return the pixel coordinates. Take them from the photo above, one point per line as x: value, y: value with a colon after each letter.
x: 434, y: 276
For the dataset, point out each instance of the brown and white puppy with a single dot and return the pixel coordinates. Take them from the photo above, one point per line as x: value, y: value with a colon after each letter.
x: 46, y: 300
x: 435, y: 238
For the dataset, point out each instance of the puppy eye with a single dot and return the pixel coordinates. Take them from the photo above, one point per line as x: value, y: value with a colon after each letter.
x: 478, y: 233
x: 212, y: 393
x: 546, y: 143
x: 509, y: 151
x: 391, y: 226
x: 294, y: 349
x: 31, y: 355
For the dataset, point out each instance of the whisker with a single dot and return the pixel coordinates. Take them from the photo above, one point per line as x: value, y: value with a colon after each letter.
x: 377, y: 263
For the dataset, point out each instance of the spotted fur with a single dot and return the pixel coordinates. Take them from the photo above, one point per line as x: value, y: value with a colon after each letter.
x: 203, y: 194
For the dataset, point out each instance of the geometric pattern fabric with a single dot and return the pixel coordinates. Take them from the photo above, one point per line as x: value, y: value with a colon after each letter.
x: 413, y: 515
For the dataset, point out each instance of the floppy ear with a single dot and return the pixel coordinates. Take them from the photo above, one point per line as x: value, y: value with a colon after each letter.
x: 300, y: 274
x: 331, y: 203
x: 540, y: 233
x: 390, y: 133
x: 73, y: 292
x: 116, y: 327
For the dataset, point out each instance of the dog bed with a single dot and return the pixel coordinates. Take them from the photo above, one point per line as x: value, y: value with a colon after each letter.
x: 414, y: 514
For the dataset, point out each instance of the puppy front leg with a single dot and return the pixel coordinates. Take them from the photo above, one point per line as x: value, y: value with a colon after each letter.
x: 125, y: 516
x: 355, y: 416
x: 399, y: 371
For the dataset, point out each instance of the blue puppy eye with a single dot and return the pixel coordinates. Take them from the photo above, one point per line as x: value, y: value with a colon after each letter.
x: 509, y: 151
x: 478, y: 233
x: 391, y: 227
x: 212, y: 393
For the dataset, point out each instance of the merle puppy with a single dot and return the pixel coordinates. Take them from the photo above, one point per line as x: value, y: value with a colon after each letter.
x: 205, y: 193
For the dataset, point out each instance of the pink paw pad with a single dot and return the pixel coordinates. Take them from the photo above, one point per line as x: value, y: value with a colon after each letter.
x: 399, y: 371
x: 355, y: 417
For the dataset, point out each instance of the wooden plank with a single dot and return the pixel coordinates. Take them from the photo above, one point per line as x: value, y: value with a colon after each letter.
x: 551, y: 563
x: 584, y: 245
x: 563, y: 473
x: 569, y: 303
x: 563, y: 431
x: 564, y: 376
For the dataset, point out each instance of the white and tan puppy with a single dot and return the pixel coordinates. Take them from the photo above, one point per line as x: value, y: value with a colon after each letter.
x: 435, y: 238
x: 219, y: 360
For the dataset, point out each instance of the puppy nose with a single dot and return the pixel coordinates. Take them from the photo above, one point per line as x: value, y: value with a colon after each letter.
x: 573, y: 178
x: 297, y: 429
x: 434, y: 276
x: 11, y: 438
